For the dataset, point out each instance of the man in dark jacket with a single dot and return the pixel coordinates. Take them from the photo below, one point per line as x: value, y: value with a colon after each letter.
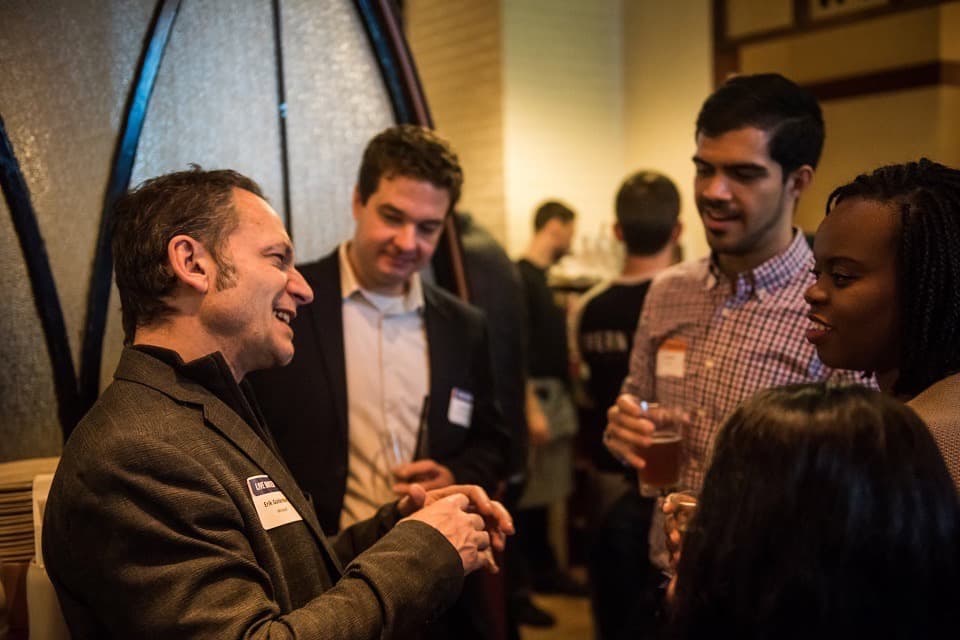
x: 172, y: 513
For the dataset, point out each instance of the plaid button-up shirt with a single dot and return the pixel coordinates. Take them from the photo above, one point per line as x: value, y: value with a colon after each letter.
x: 727, y: 340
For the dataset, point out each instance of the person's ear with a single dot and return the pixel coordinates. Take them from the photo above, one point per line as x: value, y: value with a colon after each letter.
x: 618, y: 231
x: 677, y: 230
x: 799, y: 180
x: 190, y: 262
x: 357, y: 204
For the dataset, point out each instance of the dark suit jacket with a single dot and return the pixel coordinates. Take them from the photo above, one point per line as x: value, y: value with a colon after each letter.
x: 151, y: 531
x: 305, y: 403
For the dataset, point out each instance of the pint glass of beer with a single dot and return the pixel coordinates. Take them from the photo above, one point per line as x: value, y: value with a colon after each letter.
x: 662, y: 472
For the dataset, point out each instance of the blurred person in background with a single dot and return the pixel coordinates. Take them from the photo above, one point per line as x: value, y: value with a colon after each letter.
x: 495, y: 287
x: 624, y: 585
x: 551, y: 417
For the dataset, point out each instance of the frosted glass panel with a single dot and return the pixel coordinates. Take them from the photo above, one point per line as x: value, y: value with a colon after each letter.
x: 62, y: 110
x: 336, y: 102
x: 28, y: 404
x: 215, y: 101
x: 214, y: 104
x: 66, y: 70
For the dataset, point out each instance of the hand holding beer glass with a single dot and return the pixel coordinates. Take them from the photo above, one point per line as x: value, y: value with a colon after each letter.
x: 648, y: 437
x: 678, y: 509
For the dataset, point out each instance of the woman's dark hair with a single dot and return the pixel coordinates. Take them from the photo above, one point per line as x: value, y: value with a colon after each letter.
x: 926, y: 196
x: 827, y: 512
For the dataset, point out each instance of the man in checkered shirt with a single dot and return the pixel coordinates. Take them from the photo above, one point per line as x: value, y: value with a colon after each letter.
x: 715, y: 331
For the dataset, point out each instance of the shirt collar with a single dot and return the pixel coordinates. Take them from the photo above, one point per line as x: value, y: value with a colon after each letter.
x: 350, y: 289
x: 214, y: 374
x: 770, y: 276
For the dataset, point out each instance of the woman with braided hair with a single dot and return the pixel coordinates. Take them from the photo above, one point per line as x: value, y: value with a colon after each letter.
x: 886, y: 298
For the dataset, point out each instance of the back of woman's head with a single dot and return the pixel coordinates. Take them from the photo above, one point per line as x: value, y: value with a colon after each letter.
x: 825, y: 511
x: 926, y: 196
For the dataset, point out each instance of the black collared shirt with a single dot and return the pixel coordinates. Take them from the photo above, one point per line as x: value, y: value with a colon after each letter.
x: 213, y: 373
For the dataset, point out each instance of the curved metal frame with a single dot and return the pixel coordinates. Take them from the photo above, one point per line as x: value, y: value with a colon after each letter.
x: 44, y: 288
x: 75, y: 395
x: 410, y: 106
x: 277, y: 14
x: 135, y: 113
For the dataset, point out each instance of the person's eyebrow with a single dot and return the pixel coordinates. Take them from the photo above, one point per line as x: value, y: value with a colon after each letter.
x: 751, y: 166
x: 841, y: 260
x: 281, y: 247
x: 386, y: 207
x: 740, y: 166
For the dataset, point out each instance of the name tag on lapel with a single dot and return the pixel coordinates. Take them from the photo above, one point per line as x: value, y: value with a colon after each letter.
x: 461, y: 407
x: 272, y: 506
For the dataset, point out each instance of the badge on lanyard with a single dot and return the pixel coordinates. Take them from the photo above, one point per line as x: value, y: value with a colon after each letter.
x: 272, y: 506
x: 671, y: 358
x: 461, y: 407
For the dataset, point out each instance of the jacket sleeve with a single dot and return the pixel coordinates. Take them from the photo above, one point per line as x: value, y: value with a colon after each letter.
x: 357, y: 538
x: 146, y: 538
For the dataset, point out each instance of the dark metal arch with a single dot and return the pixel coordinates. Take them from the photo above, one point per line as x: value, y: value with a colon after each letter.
x: 382, y: 24
x: 76, y: 394
x: 135, y: 113
x: 277, y: 12
x: 400, y: 76
x: 44, y: 288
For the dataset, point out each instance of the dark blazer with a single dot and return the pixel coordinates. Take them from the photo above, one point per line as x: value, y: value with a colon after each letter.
x: 305, y: 403
x: 151, y: 531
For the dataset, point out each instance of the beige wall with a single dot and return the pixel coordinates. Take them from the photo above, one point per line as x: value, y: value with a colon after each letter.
x: 530, y: 93
x: 563, y: 99
x: 563, y: 123
x: 667, y: 74
x: 745, y: 17
x: 908, y: 37
x: 458, y: 48
x: 864, y: 132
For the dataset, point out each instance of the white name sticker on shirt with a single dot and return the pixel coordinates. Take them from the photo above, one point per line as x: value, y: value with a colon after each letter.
x: 461, y: 407
x: 671, y: 358
x: 272, y: 506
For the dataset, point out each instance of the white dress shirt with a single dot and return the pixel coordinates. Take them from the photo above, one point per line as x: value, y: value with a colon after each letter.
x: 388, y: 378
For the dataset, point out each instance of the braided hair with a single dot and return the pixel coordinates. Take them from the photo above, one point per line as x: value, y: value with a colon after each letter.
x: 927, y: 198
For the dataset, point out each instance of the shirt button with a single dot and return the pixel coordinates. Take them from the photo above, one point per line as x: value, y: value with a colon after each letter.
x: 725, y: 312
x: 708, y: 364
x: 701, y: 412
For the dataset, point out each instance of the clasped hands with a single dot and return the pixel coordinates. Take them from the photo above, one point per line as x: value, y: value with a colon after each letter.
x: 474, y: 524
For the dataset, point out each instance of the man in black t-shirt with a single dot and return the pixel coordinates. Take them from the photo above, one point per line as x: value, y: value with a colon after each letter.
x: 551, y: 417
x: 622, y: 579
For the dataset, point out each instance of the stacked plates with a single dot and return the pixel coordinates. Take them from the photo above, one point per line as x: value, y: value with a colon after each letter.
x: 16, y: 506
